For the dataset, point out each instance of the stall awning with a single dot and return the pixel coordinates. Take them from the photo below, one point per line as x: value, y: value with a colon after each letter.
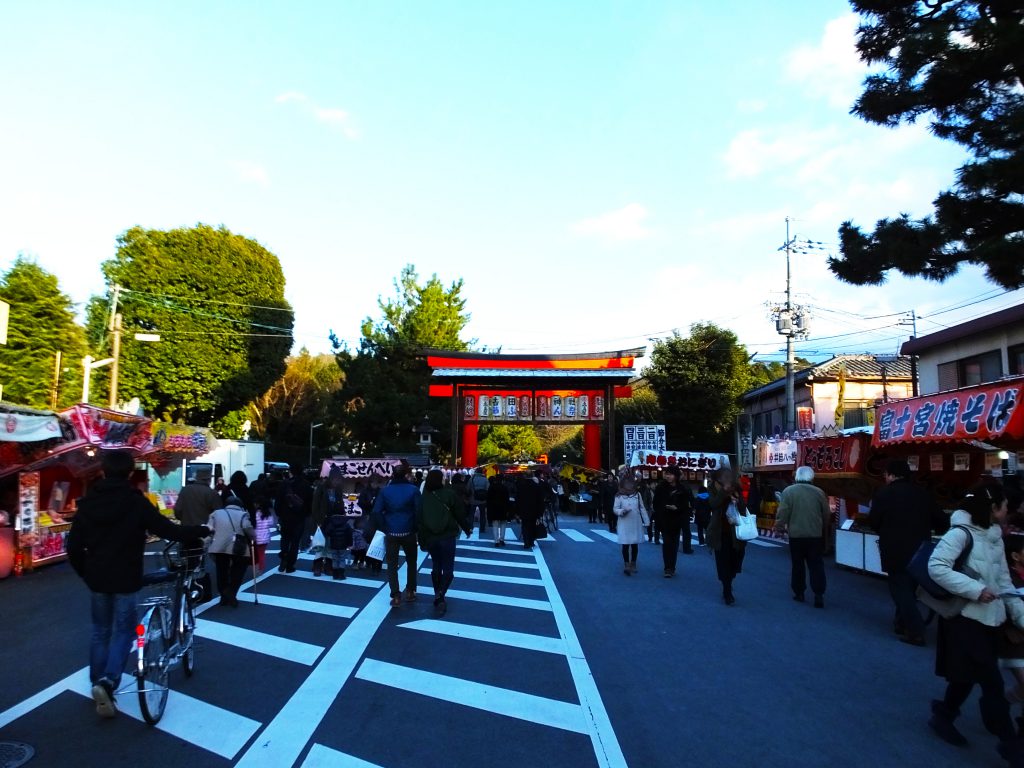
x: 839, y: 464
x: 689, y: 460
x: 25, y: 425
x: 988, y: 412
x: 173, y: 443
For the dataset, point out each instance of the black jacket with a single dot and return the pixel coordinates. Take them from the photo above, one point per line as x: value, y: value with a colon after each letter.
x: 529, y: 502
x: 903, y: 515
x: 680, y: 496
x: 108, y: 536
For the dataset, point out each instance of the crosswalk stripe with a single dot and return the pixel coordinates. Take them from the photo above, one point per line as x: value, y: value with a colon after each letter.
x: 489, y: 635
x: 194, y: 721
x: 259, y: 642
x: 491, y: 548
x: 325, y: 757
x: 485, y: 597
x: 500, y: 563
x: 510, y: 534
x: 489, y: 698
x: 310, y: 606
x: 576, y: 535
x: 606, y: 535
x: 492, y: 577
x: 352, y: 581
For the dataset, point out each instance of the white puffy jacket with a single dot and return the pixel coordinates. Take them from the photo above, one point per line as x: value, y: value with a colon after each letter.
x: 988, y: 560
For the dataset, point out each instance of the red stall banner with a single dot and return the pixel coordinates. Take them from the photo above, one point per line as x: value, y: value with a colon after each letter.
x: 110, y: 429
x: 990, y: 412
x: 835, y: 456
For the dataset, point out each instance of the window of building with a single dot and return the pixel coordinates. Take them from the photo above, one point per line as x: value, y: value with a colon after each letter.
x: 981, y: 368
x: 858, y: 413
x: 969, y: 371
x: 1016, y: 357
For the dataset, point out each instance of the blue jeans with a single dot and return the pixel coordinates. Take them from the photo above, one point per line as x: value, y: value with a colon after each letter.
x: 114, y: 618
x: 442, y: 559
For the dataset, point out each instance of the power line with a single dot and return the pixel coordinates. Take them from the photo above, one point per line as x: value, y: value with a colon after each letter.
x: 208, y: 301
x: 186, y: 311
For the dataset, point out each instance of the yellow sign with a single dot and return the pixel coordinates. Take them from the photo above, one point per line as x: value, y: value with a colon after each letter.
x: 840, y: 407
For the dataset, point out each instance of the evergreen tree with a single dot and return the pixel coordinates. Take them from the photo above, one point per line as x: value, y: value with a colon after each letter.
x: 387, y: 380
x: 507, y: 442
x: 42, y: 323
x: 217, y: 301
x: 698, y: 380
x: 960, y: 64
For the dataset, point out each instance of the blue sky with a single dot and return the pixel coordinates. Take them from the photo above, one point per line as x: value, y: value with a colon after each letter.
x: 598, y: 172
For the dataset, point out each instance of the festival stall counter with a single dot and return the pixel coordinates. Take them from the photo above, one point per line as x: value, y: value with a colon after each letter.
x: 53, y: 479
x: 774, y: 464
x: 845, y: 469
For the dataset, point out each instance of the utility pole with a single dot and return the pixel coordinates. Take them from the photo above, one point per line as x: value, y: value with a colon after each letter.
x: 115, y: 352
x: 912, y: 322
x: 56, y: 381
x: 791, y: 320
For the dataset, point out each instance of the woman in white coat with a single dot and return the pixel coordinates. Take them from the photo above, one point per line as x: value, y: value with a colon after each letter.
x: 970, y: 621
x: 632, y: 523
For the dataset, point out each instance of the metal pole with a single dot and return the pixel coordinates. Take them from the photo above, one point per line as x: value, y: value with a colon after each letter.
x: 86, y: 376
x: 115, y: 366
x: 56, y: 380
x: 913, y: 358
x: 790, y: 362
x: 310, y: 462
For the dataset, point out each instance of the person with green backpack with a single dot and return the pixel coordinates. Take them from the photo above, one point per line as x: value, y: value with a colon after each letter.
x: 441, y: 517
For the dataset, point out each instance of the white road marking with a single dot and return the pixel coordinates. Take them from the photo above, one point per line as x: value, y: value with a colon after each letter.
x: 510, y: 535
x: 577, y: 536
x: 310, y: 606
x: 259, y: 642
x: 194, y: 721
x: 500, y: 563
x: 483, y: 597
x: 286, y: 736
x: 492, y: 577
x: 606, y: 535
x: 598, y: 724
x: 325, y: 757
x: 496, y: 550
x: 352, y: 581
x: 490, y: 635
x: 759, y: 543
x: 501, y: 701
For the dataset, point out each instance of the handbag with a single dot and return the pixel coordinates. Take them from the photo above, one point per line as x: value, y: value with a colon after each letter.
x: 540, y: 531
x: 918, y: 566
x: 376, y: 549
x: 239, y: 542
x: 746, y: 528
x: 732, y: 514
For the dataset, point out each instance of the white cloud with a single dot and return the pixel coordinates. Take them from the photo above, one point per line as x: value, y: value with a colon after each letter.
x: 252, y: 173
x: 621, y: 224
x: 753, y: 152
x: 289, y: 96
x: 337, y: 118
x: 751, y: 106
x: 830, y: 69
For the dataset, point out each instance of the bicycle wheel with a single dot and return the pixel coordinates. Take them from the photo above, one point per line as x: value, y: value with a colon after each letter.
x: 186, y: 642
x: 152, y: 678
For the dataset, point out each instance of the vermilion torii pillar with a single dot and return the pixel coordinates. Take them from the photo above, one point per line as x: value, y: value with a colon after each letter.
x: 592, y: 446
x: 469, y: 444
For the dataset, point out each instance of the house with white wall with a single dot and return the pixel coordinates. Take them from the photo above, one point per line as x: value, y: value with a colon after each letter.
x: 979, y: 351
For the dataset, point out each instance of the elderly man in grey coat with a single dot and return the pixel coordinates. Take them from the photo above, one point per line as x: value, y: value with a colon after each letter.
x: 804, y: 514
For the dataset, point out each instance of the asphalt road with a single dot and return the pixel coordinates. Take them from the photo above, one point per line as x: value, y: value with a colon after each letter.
x: 551, y: 657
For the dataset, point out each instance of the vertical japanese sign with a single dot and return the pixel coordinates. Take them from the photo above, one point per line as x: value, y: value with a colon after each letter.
x: 643, y: 437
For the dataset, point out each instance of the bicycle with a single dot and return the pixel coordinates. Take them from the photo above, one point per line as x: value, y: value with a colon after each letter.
x: 551, y: 514
x: 166, y: 632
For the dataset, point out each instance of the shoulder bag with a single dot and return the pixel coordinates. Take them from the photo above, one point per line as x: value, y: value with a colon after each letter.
x: 239, y: 541
x: 918, y: 566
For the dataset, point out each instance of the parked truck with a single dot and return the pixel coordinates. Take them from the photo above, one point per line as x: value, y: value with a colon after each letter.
x: 228, y: 457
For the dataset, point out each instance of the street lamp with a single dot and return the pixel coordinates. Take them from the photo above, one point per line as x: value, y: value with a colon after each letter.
x: 311, y: 428
x: 89, y: 363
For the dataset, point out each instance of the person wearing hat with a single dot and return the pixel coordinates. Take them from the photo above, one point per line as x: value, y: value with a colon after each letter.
x: 633, y: 518
x: 225, y: 523
x: 903, y: 515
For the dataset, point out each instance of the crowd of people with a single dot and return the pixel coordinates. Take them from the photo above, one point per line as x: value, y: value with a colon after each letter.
x: 976, y: 568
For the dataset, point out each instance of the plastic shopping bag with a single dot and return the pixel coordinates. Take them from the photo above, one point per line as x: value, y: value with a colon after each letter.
x: 376, y: 550
x: 746, y: 529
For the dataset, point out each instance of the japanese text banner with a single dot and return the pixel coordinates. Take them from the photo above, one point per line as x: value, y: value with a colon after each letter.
x: 989, y: 413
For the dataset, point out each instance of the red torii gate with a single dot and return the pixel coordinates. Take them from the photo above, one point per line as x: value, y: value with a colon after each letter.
x: 533, y: 389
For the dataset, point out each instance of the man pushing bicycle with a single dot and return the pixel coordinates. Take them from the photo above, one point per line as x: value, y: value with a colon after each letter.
x: 105, y: 547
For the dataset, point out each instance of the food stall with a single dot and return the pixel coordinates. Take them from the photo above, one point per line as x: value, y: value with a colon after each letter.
x: 27, y: 436
x: 355, y: 474
x: 774, y: 464
x: 846, y: 470
x: 54, y: 478
x: 171, y: 447
x: 695, y: 466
